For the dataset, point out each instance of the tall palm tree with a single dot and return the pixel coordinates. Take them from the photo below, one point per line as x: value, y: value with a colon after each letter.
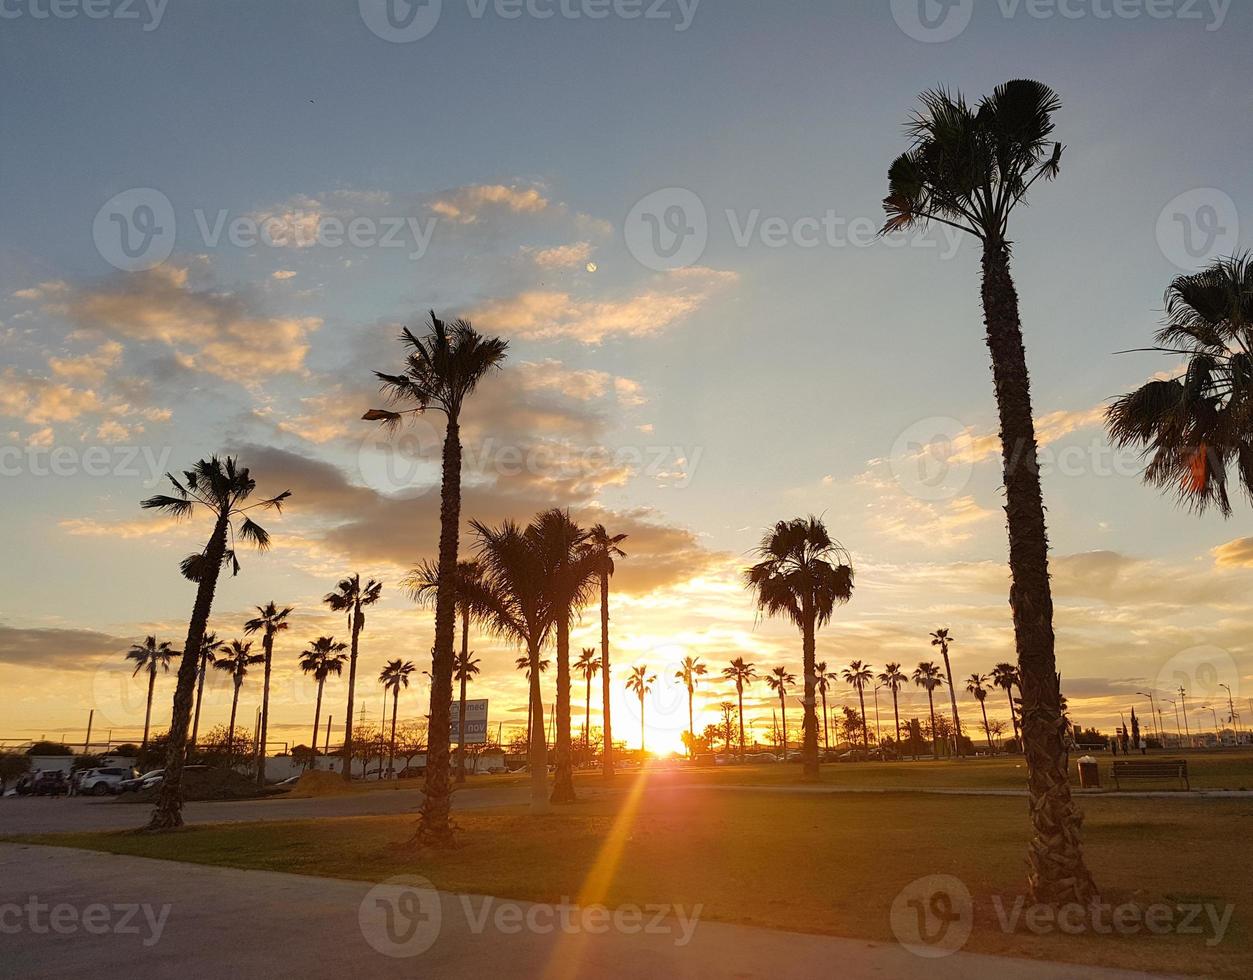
x: 209, y: 646
x: 352, y: 597
x: 149, y: 656
x: 778, y: 679
x: 518, y: 604
x: 640, y: 682
x: 442, y: 369
x: 970, y: 167
x: 324, y: 657
x: 268, y: 621
x: 1005, y: 676
x: 892, y: 678
x: 803, y: 574
x: 464, y: 667
x: 688, y: 672
x: 823, y: 679
x: 238, y: 658
x: 941, y: 638
x: 606, y: 548
x: 393, y: 677
x: 221, y: 489
x: 1198, y: 425
x: 927, y: 675
x: 588, y: 665
x: 742, y: 674
x: 571, y: 579
x: 524, y: 663
x: 422, y: 583
x: 974, y: 685
x: 858, y: 675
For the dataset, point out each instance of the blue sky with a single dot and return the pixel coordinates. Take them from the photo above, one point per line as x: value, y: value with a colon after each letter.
x: 757, y: 383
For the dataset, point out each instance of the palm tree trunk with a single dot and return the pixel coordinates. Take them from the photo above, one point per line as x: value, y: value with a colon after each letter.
x: 433, y: 826
x: 268, y: 643
x: 607, y: 752
x: 587, y: 717
x: 739, y: 696
x: 195, y: 723
x: 1058, y: 872
x: 152, y: 680
x: 986, y: 730
x: 230, y: 732
x: 952, y: 696
x: 809, y: 723
x: 641, y: 727
x: 352, y: 693
x: 391, y: 755
x: 1013, y: 716
x: 537, y: 749
x: 896, y: 719
x: 865, y: 735
x: 168, y: 812
x: 934, y: 741
x: 826, y: 731
x: 461, y: 712
x: 530, y: 708
x: 783, y: 712
x: 691, y: 725
x: 317, y: 717
x: 563, y: 784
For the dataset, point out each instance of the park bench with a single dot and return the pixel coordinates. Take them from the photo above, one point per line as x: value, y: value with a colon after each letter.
x: 1151, y: 769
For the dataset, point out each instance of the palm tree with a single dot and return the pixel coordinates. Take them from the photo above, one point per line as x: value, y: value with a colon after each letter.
x: 803, y: 574
x: 588, y: 665
x: 524, y: 663
x: 148, y: 656
x: 605, y: 547
x: 352, y: 597
x: 688, y: 672
x: 1005, y: 676
x: 927, y: 675
x: 778, y: 679
x: 324, y: 657
x: 464, y: 667
x: 974, y: 685
x: 969, y: 167
x: 518, y: 604
x: 941, y: 638
x: 393, y: 677
x: 640, y: 682
x: 218, y: 487
x: 858, y: 675
x: 269, y: 620
x: 1198, y: 425
x: 823, y: 680
x: 892, y: 678
x: 441, y: 371
x: 209, y: 646
x: 236, y: 663
x: 422, y: 583
x: 742, y: 673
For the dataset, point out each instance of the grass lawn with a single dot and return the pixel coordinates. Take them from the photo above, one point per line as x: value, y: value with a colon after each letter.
x: 824, y: 864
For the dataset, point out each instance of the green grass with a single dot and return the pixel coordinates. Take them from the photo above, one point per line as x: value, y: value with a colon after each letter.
x: 824, y: 864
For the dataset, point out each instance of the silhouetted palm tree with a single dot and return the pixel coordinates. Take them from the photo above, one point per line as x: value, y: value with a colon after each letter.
x: 969, y: 167
x: 236, y: 662
x: 974, y: 684
x: 605, y: 547
x: 823, y: 679
x: 858, y: 675
x: 393, y: 677
x: 941, y: 638
x: 269, y: 620
x: 218, y: 487
x: 688, y: 672
x: 640, y: 682
x: 1005, y: 676
x: 148, y: 656
x: 464, y: 667
x: 352, y: 597
x: 1198, y: 425
x: 803, y: 574
x: 927, y: 675
x: 742, y: 674
x: 324, y: 657
x: 209, y: 646
x: 588, y: 665
x: 524, y: 663
x: 892, y: 678
x: 442, y: 369
x: 778, y: 679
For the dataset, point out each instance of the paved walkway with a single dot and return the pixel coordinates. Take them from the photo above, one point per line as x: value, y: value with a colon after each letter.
x: 197, y: 921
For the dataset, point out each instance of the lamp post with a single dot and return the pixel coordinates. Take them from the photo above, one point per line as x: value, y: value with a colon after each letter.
x: 1152, y: 711
x: 1183, y: 705
x: 1231, y: 711
x: 1206, y: 707
x: 878, y: 733
x: 1178, y: 731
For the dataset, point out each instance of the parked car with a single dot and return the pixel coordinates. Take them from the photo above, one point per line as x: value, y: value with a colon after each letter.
x: 411, y: 772
x: 103, y: 781
x: 154, y: 778
x: 135, y: 784
x: 50, y: 782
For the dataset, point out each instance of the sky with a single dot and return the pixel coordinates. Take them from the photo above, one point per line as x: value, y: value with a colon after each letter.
x: 217, y: 218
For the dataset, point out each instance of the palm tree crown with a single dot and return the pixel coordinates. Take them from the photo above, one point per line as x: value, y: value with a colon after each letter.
x: 801, y: 564
x: 324, y: 657
x: 237, y: 660
x: 395, y: 674
x: 150, y: 655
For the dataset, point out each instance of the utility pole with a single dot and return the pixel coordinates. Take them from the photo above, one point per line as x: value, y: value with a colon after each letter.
x: 1231, y: 711
x: 1183, y: 706
x: 1178, y: 730
x: 87, y: 742
x: 326, y: 749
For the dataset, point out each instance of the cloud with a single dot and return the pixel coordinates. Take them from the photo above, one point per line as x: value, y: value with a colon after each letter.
x: 40, y: 400
x: 1234, y: 554
x: 63, y: 649
x: 282, y: 274
x: 91, y: 367
x: 466, y: 205
x: 562, y: 256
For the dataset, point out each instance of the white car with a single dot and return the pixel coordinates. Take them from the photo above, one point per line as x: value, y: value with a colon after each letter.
x: 101, y: 782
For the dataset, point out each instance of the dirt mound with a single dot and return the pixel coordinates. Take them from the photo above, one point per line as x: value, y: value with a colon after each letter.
x: 318, y: 782
x: 209, y: 784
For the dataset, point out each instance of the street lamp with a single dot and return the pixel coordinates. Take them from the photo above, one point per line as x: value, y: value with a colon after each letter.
x: 1231, y: 710
x: 1152, y: 711
x: 1178, y: 730
x: 1217, y: 736
x: 878, y: 733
